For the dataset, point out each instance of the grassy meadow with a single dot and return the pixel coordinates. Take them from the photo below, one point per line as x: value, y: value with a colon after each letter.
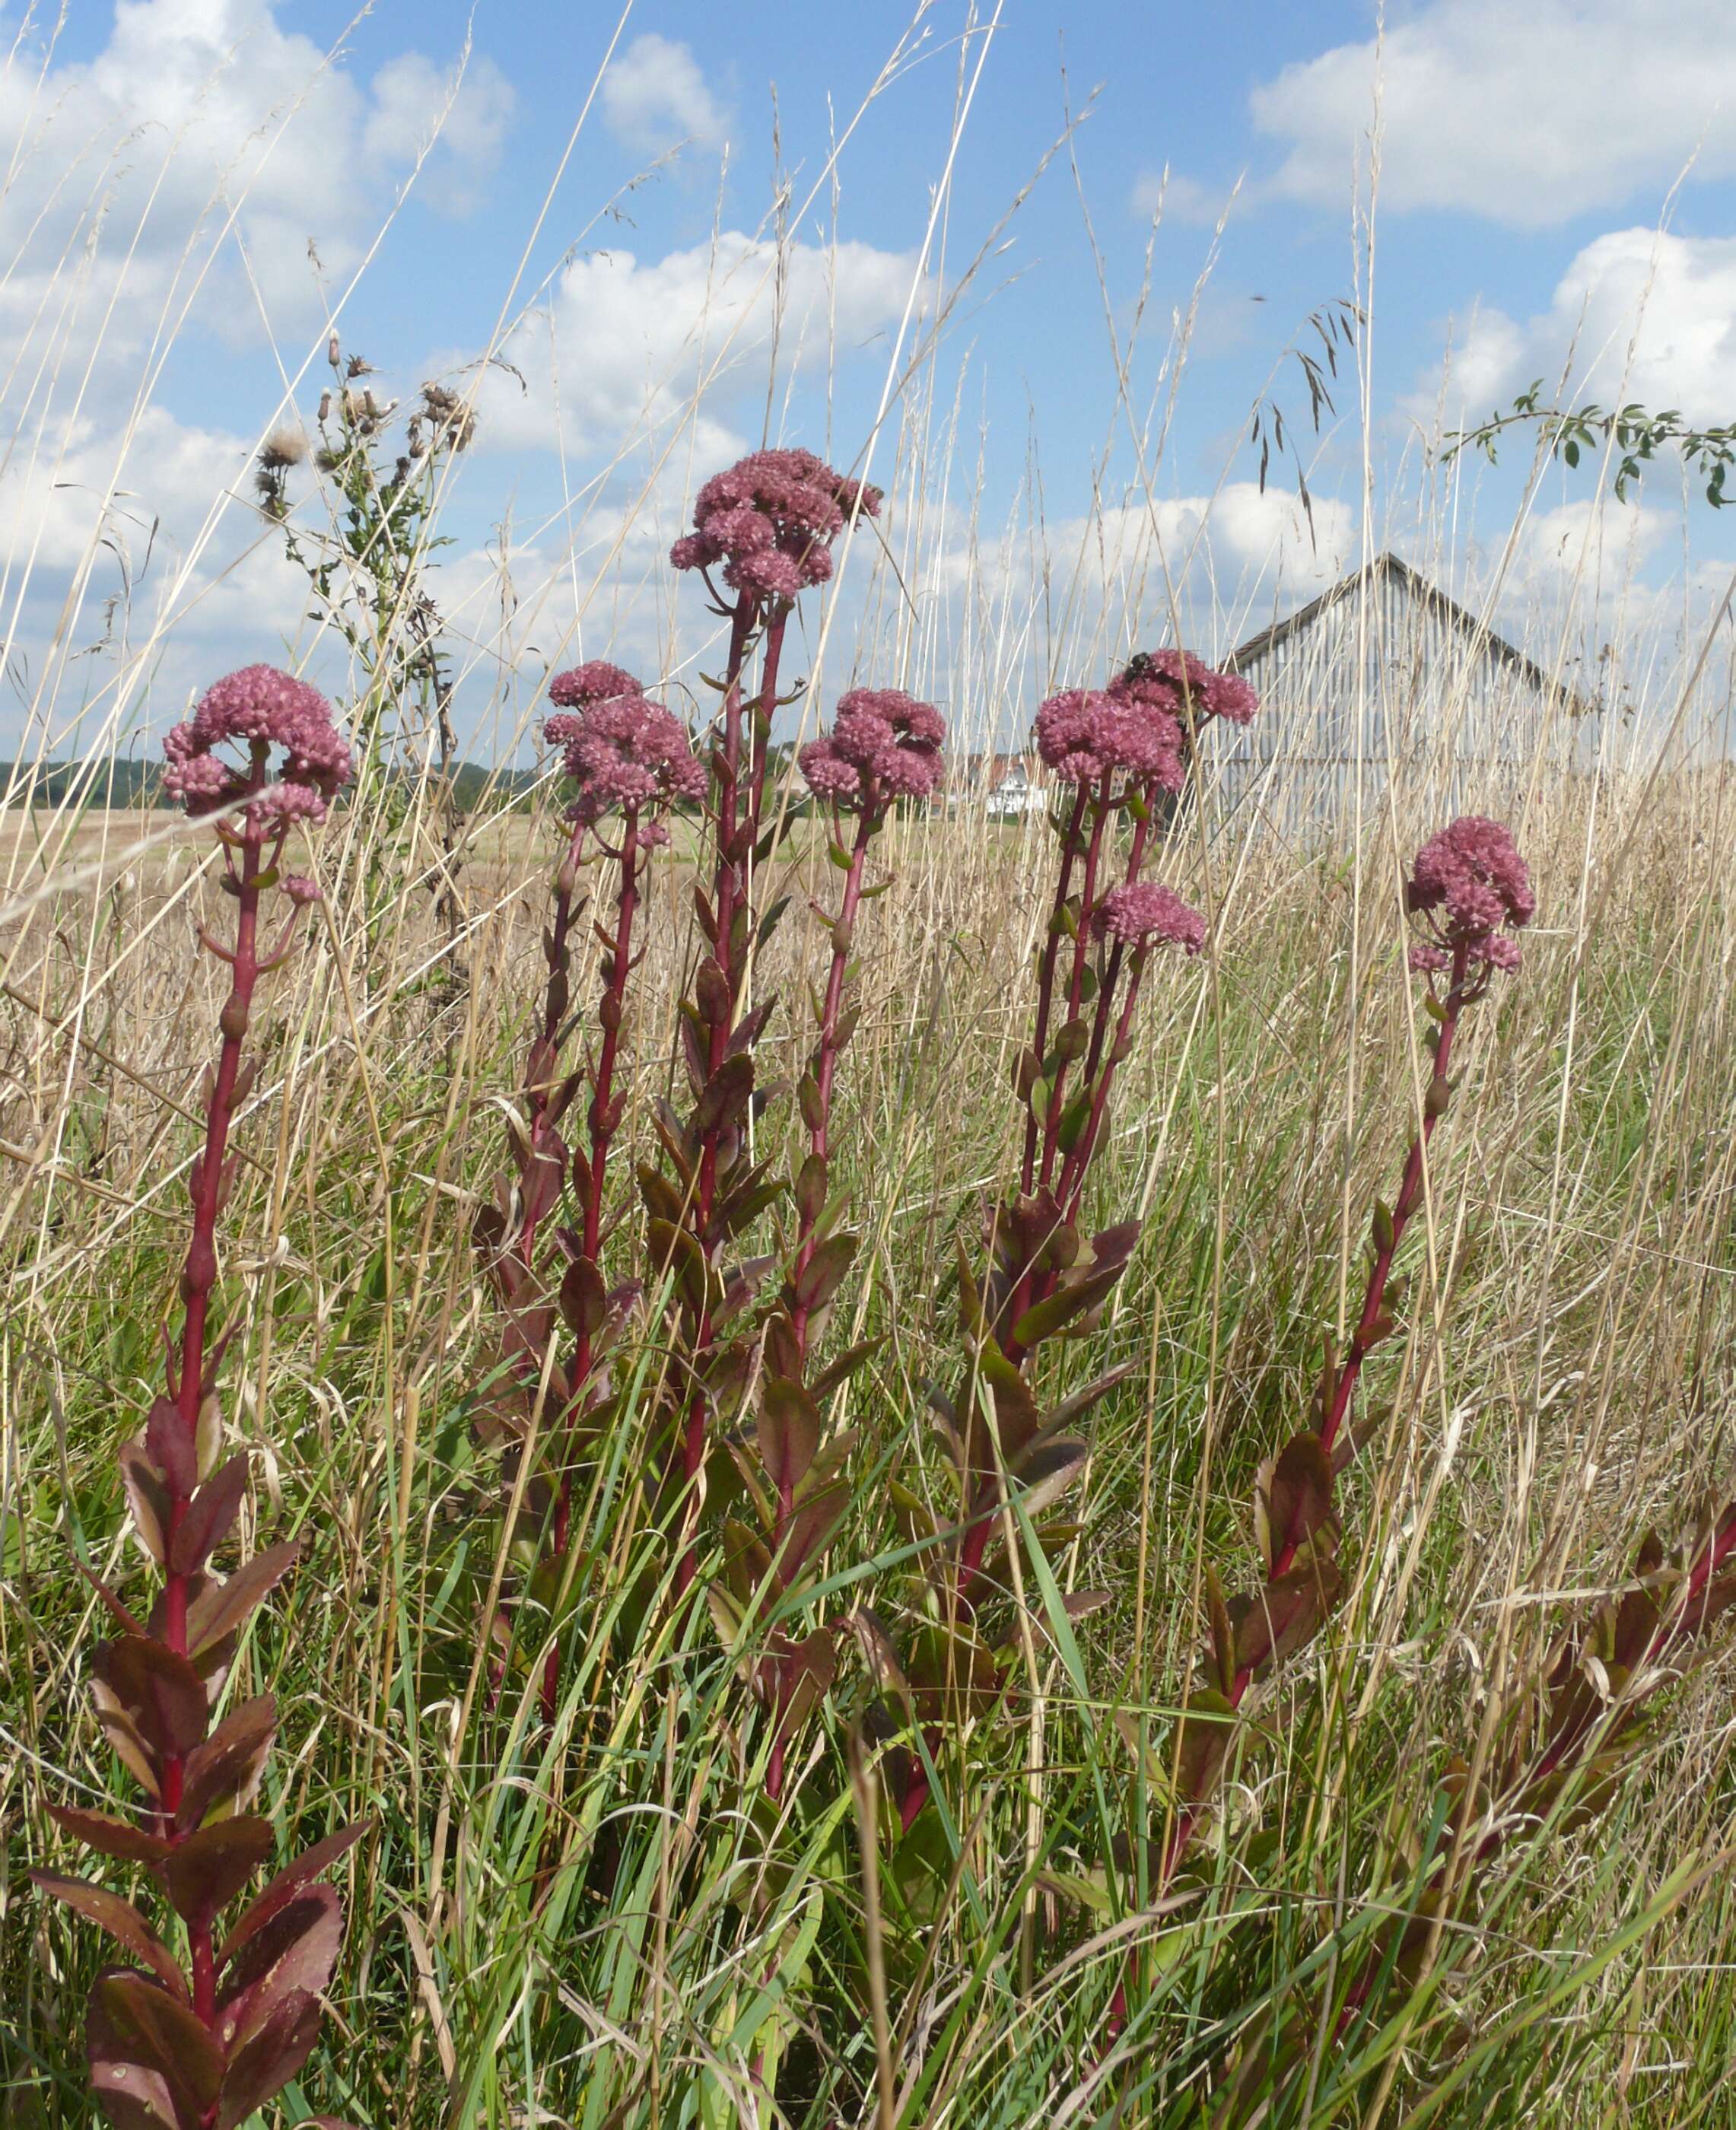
x: 614, y: 1915
x: 606, y: 1923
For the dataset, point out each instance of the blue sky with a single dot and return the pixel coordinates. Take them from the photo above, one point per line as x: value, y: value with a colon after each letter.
x: 1531, y: 190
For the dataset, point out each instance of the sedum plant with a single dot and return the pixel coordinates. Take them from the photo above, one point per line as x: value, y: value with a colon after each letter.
x: 630, y: 762
x: 1119, y: 756
x: 884, y: 748
x: 1469, y: 892
x: 762, y: 535
x: 198, y: 2035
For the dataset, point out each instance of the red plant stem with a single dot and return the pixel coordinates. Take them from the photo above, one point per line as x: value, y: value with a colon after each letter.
x: 1410, y: 1193
x: 1045, y: 975
x: 1075, y: 986
x: 1031, y: 1287
x: 1182, y: 1832
x: 198, y: 1275
x: 867, y: 822
x: 602, y: 1120
x: 1072, y: 1185
x: 738, y: 833
x: 198, y: 1278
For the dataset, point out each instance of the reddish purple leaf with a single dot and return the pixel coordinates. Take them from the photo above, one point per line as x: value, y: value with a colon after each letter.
x: 823, y: 1274
x: 227, y: 1765
x: 131, y: 2092
x: 148, y: 1498
x: 209, y: 1515
x: 118, y: 1838
x: 164, y: 2035
x: 843, y: 1366
x: 811, y: 1527
x: 583, y: 1302
x: 1294, y: 1499
x: 141, y: 1760
x: 211, y: 1866
x: 1281, y: 1617
x: 296, y: 1949
x: 301, y: 1871
x: 269, y: 2057
x: 223, y: 1606
x: 726, y: 1094
x: 121, y: 1921
x: 117, y: 1611
x: 169, y: 1444
x: 158, y: 1690
x: 1208, y: 1726
x: 789, y: 1432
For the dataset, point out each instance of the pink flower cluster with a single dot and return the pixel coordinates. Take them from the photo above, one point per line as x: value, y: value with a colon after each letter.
x: 624, y: 750
x: 1140, y: 724
x: 258, y: 709
x: 1085, y: 733
x: 770, y: 519
x: 1188, y: 688
x: 1469, y: 883
x: 883, y: 745
x: 1141, y: 910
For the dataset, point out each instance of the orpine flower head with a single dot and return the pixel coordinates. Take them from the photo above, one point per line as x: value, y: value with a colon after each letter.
x: 1469, y: 884
x: 1187, y: 687
x: 596, y: 682
x: 770, y: 519
x: 1141, y: 910
x: 578, y: 689
x: 256, y: 709
x: 624, y: 750
x: 883, y: 744
x: 1086, y: 734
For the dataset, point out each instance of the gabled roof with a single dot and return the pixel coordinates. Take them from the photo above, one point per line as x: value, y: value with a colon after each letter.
x: 1388, y: 564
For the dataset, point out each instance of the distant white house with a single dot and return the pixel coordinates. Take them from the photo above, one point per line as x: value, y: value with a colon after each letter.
x: 1385, y: 679
x: 1005, y: 785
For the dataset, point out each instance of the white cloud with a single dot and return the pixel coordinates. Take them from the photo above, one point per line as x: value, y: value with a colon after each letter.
x: 629, y: 345
x: 199, y: 122
x: 174, y: 182
x: 1221, y: 558
x: 654, y: 95
x: 412, y: 98
x: 1527, y: 115
x: 1637, y: 315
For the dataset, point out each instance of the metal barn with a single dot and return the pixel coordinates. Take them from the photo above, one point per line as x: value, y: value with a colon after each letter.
x: 1385, y: 679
